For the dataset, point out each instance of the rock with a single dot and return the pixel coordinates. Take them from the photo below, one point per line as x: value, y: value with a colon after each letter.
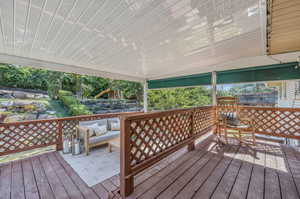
x: 40, y: 96
x: 30, y: 96
x: 30, y: 117
x: 14, y: 118
x: 19, y: 94
x: 51, y: 112
x: 22, y: 103
x: 6, y: 103
x: 7, y: 96
x: 45, y: 116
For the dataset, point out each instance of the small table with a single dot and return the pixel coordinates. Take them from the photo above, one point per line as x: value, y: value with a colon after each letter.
x: 114, y: 143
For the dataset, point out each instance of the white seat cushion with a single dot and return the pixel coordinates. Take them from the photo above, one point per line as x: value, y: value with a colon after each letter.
x: 107, y: 136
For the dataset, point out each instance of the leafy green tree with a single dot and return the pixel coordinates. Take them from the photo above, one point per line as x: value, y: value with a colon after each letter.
x: 164, y: 99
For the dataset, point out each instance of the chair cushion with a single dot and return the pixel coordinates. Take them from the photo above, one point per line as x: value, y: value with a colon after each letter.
x: 107, y: 136
x: 231, y: 118
x: 98, y: 129
x: 113, y: 124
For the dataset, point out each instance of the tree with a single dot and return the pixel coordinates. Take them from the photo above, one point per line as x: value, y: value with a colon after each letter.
x: 164, y: 99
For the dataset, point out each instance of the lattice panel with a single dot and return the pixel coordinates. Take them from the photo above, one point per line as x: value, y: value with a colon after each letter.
x: 283, y: 122
x: 203, y: 118
x: 23, y: 136
x: 69, y: 127
x: 155, y: 134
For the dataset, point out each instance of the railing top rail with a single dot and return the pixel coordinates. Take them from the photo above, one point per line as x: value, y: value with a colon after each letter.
x: 81, y: 117
x: 150, y: 115
x: 272, y: 108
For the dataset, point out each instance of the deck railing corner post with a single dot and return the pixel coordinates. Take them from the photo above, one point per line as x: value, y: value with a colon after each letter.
x: 59, y: 144
x: 191, y: 146
x: 126, y: 180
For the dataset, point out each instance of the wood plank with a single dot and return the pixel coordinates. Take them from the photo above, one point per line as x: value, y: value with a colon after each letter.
x: 67, y: 182
x: 256, y: 186
x: 240, y: 187
x: 55, y: 184
x: 226, y: 184
x: 143, y: 187
x: 198, y: 160
x: 101, y: 191
x: 209, y: 186
x: 17, y: 183
x: 41, y: 180
x: 109, y: 186
x: 272, y: 185
x: 289, y: 184
x: 85, y: 190
x: 202, y: 143
x: 31, y: 189
x: 5, y: 181
x: 115, y: 180
x: 192, y: 173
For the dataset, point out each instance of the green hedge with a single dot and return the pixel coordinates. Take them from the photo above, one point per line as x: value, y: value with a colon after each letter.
x: 73, y: 104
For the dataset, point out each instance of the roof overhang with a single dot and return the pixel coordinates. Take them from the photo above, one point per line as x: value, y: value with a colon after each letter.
x: 135, y: 40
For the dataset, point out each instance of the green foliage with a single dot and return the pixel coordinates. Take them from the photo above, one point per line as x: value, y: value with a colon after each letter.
x: 130, y: 90
x: 64, y: 93
x: 23, y: 77
x: 164, y: 99
x: 73, y: 104
x: 53, y: 81
x: 79, y: 109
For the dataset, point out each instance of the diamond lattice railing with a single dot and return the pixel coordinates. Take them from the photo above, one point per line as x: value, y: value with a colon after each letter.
x: 26, y: 135
x: 153, y: 135
x: 22, y: 136
x: 282, y: 122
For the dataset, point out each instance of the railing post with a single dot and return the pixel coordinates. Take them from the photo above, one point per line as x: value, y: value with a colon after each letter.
x: 191, y: 146
x: 126, y: 181
x: 59, y: 145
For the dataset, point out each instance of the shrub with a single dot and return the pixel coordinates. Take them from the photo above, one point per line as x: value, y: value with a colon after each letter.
x: 73, y: 104
x: 79, y: 109
x: 64, y: 93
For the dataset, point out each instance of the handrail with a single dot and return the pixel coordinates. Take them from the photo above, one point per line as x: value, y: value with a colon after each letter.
x: 27, y: 135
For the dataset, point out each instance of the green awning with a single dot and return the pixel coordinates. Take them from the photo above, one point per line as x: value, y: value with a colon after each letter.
x: 285, y: 71
x: 183, y: 81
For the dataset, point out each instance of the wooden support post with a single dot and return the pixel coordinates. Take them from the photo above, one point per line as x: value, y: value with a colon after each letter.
x: 126, y: 181
x: 214, y: 87
x: 191, y: 146
x: 145, y: 94
x: 214, y: 96
x: 59, y: 145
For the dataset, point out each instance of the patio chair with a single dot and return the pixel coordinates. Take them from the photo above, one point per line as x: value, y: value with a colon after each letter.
x: 230, y: 125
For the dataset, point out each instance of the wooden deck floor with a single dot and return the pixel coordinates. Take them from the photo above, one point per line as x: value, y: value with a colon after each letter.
x: 268, y: 171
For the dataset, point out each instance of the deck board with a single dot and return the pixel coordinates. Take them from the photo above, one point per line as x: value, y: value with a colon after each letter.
x: 209, y: 186
x: 187, y: 178
x: 5, y: 181
x: 269, y: 171
x: 41, y: 180
x: 17, y: 183
x: 82, y: 186
x: 31, y: 189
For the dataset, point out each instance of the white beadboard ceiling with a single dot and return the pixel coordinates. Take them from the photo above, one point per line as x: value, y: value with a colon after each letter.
x: 133, y: 39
